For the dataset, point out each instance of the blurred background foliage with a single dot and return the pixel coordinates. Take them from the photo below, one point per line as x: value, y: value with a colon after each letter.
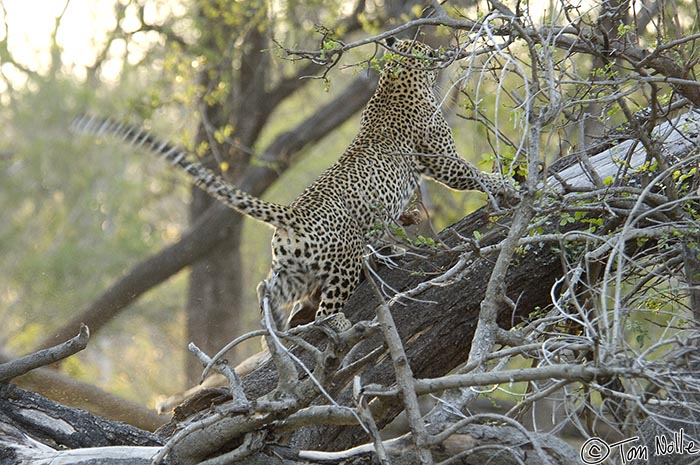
x: 77, y: 213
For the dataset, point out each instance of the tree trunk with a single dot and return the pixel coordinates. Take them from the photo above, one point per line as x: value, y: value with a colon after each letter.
x: 215, y: 294
x: 215, y: 285
x: 33, y: 428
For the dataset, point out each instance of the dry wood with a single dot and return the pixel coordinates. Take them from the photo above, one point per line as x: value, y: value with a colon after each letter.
x: 44, y: 357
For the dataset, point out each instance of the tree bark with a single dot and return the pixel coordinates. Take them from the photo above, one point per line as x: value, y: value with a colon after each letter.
x: 87, y: 430
x: 33, y: 429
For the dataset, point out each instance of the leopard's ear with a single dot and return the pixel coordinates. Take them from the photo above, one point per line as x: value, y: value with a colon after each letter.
x: 390, y: 41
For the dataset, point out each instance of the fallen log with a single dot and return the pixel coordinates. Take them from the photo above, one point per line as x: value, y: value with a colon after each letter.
x: 35, y: 430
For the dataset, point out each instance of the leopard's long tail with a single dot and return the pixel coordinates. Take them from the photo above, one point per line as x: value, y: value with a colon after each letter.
x: 204, y: 178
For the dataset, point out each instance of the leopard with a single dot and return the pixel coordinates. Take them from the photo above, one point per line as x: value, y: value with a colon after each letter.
x: 320, y: 239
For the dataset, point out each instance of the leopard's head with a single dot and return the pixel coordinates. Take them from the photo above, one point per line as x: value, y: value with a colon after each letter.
x: 410, y: 59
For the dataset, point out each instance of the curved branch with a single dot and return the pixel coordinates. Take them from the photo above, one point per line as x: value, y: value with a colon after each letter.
x: 68, y: 391
x: 43, y: 357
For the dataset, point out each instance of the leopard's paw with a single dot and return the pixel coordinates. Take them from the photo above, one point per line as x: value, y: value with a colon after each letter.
x: 338, y: 322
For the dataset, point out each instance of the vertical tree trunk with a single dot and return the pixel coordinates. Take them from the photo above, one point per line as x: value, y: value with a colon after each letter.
x: 214, y: 297
x: 215, y: 288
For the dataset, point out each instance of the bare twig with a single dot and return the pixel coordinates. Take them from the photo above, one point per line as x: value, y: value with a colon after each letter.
x: 215, y: 359
x: 234, y: 381
x: 366, y: 415
x: 45, y: 356
x: 282, y: 358
x: 404, y: 375
x: 569, y: 372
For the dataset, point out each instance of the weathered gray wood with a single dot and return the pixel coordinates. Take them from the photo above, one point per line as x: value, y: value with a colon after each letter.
x: 37, y: 454
x: 33, y: 429
x: 677, y: 137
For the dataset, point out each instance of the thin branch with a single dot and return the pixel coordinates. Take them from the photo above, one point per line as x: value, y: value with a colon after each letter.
x: 404, y: 374
x: 557, y: 372
x: 215, y: 359
x: 366, y: 415
x: 45, y: 356
x: 234, y: 381
x: 282, y: 358
x: 399, y: 444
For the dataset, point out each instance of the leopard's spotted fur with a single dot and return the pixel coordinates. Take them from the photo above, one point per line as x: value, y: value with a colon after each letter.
x: 319, y: 239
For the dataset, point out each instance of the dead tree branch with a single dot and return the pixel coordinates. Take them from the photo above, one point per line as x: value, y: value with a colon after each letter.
x: 44, y: 357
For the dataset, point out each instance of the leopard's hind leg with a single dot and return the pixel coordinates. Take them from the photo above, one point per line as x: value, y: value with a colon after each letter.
x: 283, y: 290
x: 338, y: 286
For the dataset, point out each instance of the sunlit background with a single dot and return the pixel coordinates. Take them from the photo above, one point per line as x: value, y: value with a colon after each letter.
x: 82, y: 27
